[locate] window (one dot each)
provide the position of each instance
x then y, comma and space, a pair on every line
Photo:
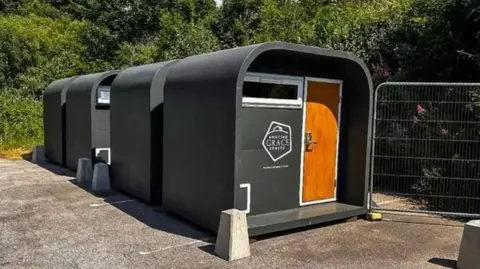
267, 90
103, 95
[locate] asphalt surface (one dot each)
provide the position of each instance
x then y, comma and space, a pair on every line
46, 221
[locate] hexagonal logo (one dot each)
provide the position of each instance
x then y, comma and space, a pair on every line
278, 140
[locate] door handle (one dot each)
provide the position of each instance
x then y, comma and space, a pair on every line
309, 139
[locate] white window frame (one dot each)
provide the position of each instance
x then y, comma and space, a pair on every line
97, 151
99, 97
274, 102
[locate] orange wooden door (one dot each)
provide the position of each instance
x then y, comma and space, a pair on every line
321, 128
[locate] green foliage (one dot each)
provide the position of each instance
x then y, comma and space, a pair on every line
37, 7
181, 38
130, 54
20, 121
45, 40
433, 42
285, 21
7, 6
35, 50
238, 22
128, 20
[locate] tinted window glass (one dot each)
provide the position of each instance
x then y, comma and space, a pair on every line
269, 90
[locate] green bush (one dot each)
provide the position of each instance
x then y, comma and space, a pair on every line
21, 121
37, 50
43, 40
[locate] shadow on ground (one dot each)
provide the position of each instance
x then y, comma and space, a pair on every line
209, 249
157, 218
443, 262
151, 215
56, 169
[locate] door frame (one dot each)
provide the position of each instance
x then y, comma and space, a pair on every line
302, 155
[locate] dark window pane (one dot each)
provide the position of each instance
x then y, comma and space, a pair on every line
269, 90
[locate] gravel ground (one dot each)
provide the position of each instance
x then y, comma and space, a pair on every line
46, 221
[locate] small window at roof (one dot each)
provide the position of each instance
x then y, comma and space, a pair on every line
103, 95
269, 90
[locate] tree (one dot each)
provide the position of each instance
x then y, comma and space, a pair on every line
433, 42
128, 20
180, 38
238, 21
284, 21
35, 50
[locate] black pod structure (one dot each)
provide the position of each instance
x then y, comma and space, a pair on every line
54, 120
136, 122
88, 118
250, 128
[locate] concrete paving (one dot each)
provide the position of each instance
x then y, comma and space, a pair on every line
46, 221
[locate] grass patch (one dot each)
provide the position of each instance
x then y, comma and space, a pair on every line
21, 124
15, 153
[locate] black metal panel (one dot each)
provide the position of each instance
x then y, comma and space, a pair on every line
209, 139
81, 117
354, 142
274, 184
54, 120
199, 135
136, 114
101, 128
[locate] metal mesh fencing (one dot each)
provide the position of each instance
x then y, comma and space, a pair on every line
426, 148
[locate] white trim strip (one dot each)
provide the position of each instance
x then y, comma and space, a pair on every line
248, 187
274, 102
97, 151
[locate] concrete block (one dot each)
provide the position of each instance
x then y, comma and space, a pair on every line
84, 171
101, 178
38, 154
232, 237
468, 257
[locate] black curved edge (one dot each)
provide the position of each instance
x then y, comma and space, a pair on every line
54, 120
136, 122
87, 127
203, 94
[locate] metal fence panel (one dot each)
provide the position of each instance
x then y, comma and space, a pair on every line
426, 148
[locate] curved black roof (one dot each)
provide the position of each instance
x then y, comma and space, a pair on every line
234, 63
136, 76
59, 86
89, 83
144, 77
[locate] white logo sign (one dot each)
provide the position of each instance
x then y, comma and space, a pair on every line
278, 140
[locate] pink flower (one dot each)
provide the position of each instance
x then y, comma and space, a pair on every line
420, 109
444, 132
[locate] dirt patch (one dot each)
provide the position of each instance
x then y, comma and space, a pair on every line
393, 202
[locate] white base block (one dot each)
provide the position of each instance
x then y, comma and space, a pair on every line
38, 154
469, 257
101, 178
232, 237
84, 171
